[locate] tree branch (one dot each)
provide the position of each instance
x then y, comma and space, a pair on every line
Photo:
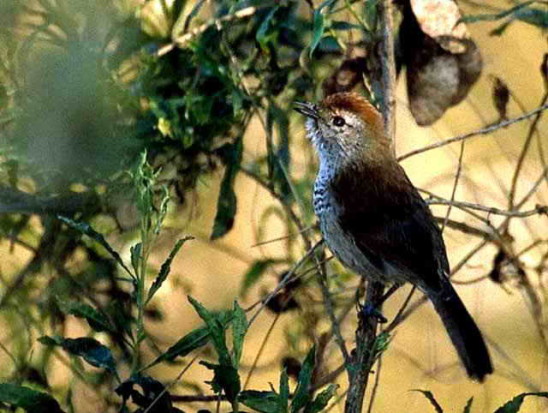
14, 201
366, 332
484, 131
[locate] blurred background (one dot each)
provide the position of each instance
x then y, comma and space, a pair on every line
206, 89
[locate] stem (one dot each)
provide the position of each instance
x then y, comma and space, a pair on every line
364, 356
366, 332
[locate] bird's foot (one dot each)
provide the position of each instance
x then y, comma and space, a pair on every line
370, 310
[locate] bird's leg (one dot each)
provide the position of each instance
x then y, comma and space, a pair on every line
389, 293
372, 309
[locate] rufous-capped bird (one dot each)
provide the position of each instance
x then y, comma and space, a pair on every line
375, 222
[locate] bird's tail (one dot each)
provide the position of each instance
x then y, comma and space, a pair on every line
463, 332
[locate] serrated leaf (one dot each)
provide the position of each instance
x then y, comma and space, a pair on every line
28, 399
302, 392
135, 252
468, 407
227, 202
225, 378
514, 405
261, 401
283, 405
321, 401
190, 342
254, 274
92, 351
430, 396
96, 320
165, 268
86, 229
216, 330
381, 343
239, 330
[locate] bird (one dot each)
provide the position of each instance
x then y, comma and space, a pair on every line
374, 220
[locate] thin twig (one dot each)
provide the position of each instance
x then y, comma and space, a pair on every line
166, 388
261, 349
523, 153
484, 131
185, 39
455, 185
538, 210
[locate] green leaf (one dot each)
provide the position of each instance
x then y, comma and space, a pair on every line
321, 401
227, 203
431, 398
96, 320
381, 343
284, 393
468, 407
262, 36
225, 378
135, 252
318, 27
88, 348
302, 392
190, 342
165, 269
254, 274
261, 401
514, 405
239, 330
86, 229
523, 12
279, 156
495, 16
216, 330
27, 399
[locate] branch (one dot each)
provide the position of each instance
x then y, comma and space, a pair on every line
364, 356
523, 153
185, 39
388, 70
484, 131
366, 333
538, 210
14, 201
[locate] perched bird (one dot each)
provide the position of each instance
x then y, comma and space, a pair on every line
374, 220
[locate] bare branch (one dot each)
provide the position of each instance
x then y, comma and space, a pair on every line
14, 201
484, 131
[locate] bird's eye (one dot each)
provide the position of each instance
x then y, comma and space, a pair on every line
338, 121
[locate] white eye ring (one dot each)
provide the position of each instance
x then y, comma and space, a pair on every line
339, 121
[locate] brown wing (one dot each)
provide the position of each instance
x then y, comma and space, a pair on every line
391, 224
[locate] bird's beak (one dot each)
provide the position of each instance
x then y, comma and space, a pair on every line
307, 109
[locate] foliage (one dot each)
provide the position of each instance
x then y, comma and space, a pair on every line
105, 105
512, 406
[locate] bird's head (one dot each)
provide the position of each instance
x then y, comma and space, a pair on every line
345, 126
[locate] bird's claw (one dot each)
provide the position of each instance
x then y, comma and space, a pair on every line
369, 310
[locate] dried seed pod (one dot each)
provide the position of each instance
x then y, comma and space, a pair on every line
442, 61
